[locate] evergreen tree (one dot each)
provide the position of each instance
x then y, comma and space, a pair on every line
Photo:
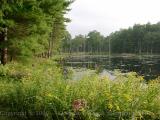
29, 24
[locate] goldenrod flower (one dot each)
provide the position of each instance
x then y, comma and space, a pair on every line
110, 106
49, 95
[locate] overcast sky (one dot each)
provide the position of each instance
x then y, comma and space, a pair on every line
107, 16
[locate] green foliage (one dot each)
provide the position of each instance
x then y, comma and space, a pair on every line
41, 89
78, 43
137, 39
93, 42
66, 42
30, 23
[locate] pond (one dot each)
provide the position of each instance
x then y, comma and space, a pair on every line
147, 66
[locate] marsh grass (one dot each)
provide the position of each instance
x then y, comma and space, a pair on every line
39, 91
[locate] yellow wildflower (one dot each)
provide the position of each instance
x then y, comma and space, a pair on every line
49, 95
117, 108
127, 97
110, 106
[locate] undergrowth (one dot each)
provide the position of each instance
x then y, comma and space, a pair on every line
40, 91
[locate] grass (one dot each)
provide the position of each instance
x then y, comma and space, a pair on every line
41, 92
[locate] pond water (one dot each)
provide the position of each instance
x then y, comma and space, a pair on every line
147, 66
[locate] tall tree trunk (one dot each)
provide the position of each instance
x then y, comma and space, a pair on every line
49, 46
52, 43
4, 50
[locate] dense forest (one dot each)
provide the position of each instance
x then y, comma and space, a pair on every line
31, 27
137, 39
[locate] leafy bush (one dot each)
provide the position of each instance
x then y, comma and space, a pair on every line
40, 91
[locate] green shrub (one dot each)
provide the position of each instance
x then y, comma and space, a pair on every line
41, 92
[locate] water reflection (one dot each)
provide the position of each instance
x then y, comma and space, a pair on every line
149, 67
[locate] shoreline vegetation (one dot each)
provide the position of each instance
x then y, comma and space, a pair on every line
105, 54
34, 84
40, 91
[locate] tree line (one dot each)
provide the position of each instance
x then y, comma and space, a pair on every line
31, 27
137, 39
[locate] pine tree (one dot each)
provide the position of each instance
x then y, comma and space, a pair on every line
29, 24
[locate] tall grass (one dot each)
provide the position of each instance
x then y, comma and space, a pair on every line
40, 91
